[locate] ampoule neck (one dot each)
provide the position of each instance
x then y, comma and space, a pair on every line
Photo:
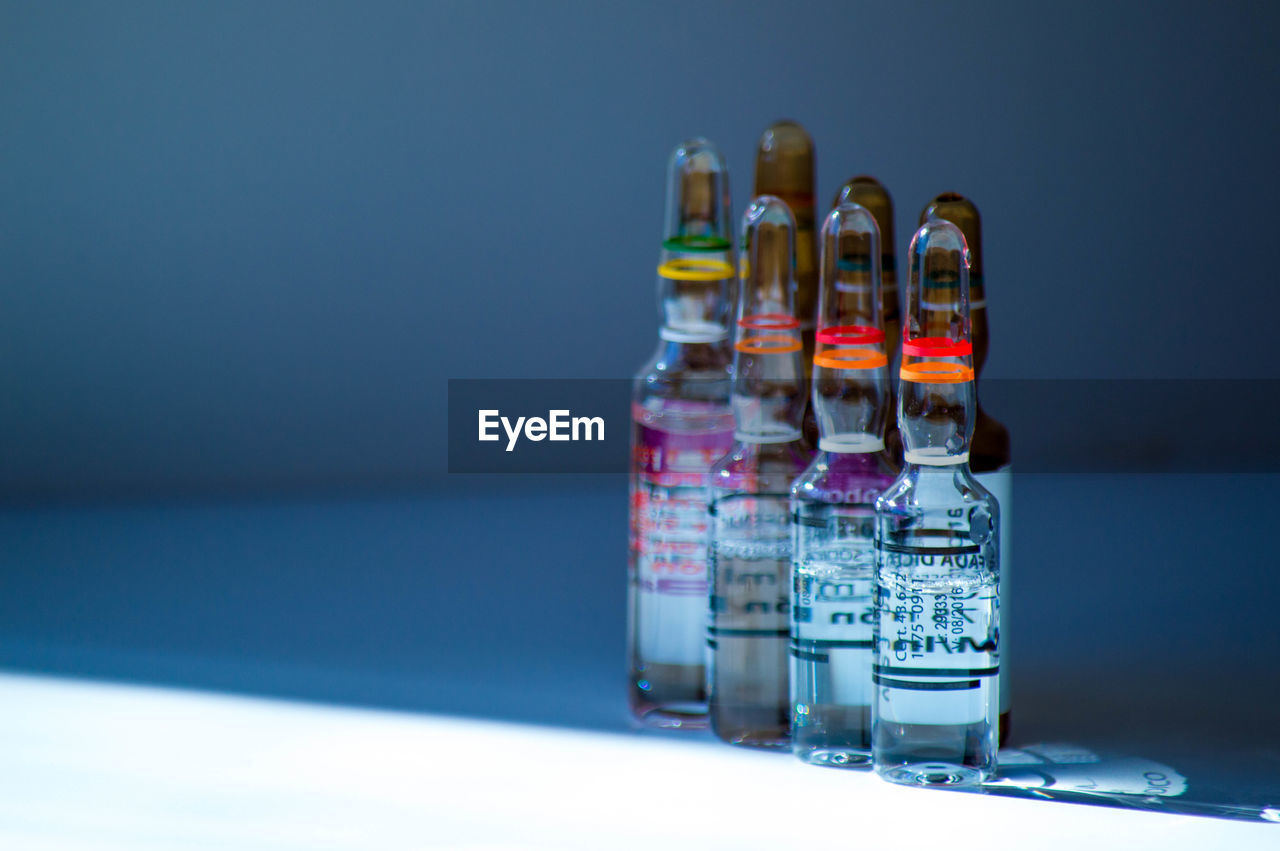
694, 292
692, 355
854, 463
762, 466
936, 421
853, 445
708, 335
935, 475
929, 459
763, 441
844, 457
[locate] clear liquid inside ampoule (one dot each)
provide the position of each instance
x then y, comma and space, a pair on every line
935, 670
831, 664
833, 614
749, 620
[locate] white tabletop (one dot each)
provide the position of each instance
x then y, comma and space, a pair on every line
91, 765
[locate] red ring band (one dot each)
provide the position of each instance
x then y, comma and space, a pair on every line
937, 347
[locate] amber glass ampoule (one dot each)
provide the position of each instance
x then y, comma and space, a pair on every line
989, 457
784, 169
871, 194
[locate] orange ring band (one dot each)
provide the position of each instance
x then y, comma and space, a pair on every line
851, 359
932, 372
751, 345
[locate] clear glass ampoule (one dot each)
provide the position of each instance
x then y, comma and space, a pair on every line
989, 452
833, 502
937, 638
750, 553
872, 194
682, 424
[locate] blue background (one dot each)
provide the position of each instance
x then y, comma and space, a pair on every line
244, 245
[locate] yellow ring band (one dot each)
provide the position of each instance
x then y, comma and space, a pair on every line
691, 269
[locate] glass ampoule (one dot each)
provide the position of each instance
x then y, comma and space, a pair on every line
784, 169
682, 424
871, 193
989, 453
750, 554
833, 502
868, 192
937, 639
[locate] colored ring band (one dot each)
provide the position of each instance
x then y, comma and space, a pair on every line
850, 335
696, 243
784, 345
936, 373
937, 347
695, 270
769, 322
851, 359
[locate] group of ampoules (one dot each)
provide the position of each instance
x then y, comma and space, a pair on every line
844, 602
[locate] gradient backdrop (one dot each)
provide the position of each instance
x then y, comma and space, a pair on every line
243, 246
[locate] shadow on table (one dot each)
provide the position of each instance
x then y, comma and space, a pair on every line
1072, 774
1151, 743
